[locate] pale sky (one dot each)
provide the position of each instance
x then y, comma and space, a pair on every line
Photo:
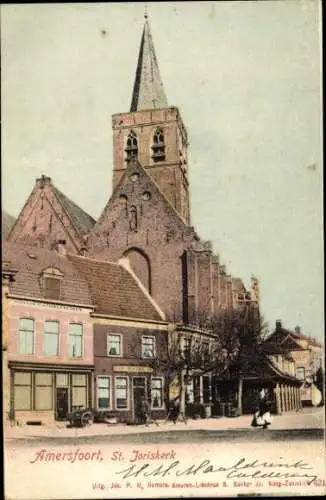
246, 78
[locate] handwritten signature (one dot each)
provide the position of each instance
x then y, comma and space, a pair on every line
255, 469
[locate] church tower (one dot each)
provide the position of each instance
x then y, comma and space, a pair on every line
153, 132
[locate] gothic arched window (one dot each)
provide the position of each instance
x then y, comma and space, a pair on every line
131, 146
158, 146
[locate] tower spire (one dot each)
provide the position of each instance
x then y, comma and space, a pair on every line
148, 91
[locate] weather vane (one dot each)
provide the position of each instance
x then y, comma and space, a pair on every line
145, 11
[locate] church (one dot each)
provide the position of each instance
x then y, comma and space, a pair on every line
146, 223
147, 218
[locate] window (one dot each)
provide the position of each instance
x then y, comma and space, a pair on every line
158, 146
131, 146
75, 340
22, 391
51, 279
157, 392
121, 393
300, 373
206, 389
205, 348
114, 345
51, 338
186, 347
43, 391
103, 393
79, 390
148, 347
26, 336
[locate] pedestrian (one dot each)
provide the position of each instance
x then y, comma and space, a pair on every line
145, 411
262, 416
174, 410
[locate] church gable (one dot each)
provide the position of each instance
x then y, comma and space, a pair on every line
47, 218
137, 214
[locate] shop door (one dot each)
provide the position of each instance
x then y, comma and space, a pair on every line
138, 393
61, 403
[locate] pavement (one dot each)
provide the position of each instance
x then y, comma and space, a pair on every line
305, 419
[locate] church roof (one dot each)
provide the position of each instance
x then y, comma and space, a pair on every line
7, 221
82, 221
113, 289
148, 91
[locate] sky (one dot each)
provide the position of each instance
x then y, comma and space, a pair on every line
246, 77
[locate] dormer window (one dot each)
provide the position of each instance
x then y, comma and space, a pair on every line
51, 281
158, 146
131, 147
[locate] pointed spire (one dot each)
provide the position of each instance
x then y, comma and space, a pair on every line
148, 91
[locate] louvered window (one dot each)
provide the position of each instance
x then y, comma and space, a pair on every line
158, 147
131, 147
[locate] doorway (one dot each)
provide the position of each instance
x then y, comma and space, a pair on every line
138, 393
62, 404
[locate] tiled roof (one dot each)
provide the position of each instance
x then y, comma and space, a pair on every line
281, 334
113, 290
7, 221
81, 220
30, 262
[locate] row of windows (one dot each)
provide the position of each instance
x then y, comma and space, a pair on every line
35, 390
51, 340
115, 348
26, 338
158, 146
122, 392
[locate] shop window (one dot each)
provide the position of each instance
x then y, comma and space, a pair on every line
121, 393
75, 340
300, 373
114, 345
51, 338
22, 390
26, 336
157, 393
43, 391
79, 391
62, 380
103, 393
148, 347
158, 146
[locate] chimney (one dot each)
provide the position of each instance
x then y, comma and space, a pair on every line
278, 324
297, 329
61, 248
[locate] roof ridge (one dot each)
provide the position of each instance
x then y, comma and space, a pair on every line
93, 259
64, 200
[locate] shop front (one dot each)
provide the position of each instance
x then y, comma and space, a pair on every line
43, 393
119, 395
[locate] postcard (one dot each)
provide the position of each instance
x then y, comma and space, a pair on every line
162, 250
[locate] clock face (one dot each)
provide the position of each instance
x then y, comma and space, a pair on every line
134, 177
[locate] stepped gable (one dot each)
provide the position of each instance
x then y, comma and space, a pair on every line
31, 262
113, 289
